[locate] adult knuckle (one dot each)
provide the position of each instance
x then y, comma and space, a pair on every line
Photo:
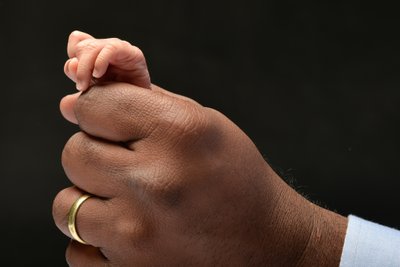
188, 121
70, 256
82, 148
83, 151
170, 188
136, 230
58, 208
72, 149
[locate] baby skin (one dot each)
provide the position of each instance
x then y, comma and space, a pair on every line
94, 60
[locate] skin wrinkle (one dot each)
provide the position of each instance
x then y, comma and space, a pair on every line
90, 155
83, 103
147, 109
155, 168
165, 121
118, 112
307, 245
189, 131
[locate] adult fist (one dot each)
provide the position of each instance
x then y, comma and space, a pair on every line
178, 184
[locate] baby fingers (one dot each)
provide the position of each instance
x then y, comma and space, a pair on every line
126, 61
75, 38
113, 52
70, 68
87, 52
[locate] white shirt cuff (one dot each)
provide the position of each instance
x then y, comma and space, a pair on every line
369, 244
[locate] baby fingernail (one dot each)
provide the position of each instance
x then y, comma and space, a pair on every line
78, 87
95, 74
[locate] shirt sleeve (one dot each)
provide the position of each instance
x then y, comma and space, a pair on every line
369, 244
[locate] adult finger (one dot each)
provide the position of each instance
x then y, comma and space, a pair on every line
93, 219
97, 166
68, 102
122, 112
74, 38
78, 254
67, 105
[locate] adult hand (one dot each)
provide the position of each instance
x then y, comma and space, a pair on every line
178, 184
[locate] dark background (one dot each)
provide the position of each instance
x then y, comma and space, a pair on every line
315, 85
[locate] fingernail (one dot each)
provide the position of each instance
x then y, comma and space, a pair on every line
78, 87
95, 73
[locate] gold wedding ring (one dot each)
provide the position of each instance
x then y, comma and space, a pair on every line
72, 218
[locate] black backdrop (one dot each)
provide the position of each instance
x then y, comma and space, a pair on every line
315, 85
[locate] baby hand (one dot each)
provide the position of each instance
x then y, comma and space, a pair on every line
105, 60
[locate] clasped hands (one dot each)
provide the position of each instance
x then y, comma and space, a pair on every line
178, 184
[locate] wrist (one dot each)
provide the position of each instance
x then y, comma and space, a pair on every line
326, 241
305, 234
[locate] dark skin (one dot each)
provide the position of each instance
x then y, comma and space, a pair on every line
179, 184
